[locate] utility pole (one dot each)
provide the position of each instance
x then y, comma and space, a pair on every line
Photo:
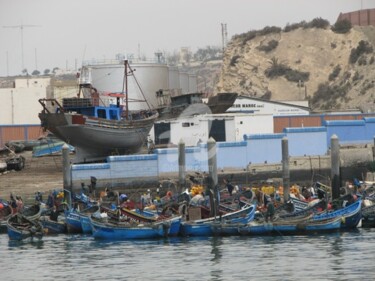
21, 27
7, 64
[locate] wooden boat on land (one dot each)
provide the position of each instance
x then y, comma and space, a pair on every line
95, 127
104, 229
202, 227
21, 227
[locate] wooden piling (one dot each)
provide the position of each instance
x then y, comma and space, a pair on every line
181, 165
67, 179
212, 176
285, 164
335, 167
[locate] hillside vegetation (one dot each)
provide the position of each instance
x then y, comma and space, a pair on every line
331, 66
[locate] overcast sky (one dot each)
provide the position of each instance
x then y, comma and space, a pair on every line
62, 33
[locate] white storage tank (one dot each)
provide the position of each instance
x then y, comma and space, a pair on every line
193, 85
174, 81
184, 82
109, 78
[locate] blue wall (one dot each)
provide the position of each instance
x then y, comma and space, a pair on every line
348, 132
307, 141
255, 149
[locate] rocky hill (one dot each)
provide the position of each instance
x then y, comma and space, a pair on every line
333, 71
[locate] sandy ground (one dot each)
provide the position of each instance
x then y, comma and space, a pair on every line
40, 174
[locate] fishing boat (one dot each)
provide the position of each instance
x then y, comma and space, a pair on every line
6, 211
105, 229
223, 228
78, 221
32, 212
290, 226
20, 228
202, 227
351, 215
52, 226
95, 127
221, 102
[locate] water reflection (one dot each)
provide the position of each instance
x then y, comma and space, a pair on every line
337, 256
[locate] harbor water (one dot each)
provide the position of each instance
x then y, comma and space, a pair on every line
335, 256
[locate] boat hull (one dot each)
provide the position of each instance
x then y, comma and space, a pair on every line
53, 227
120, 231
97, 139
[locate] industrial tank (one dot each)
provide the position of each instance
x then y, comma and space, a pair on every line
174, 81
184, 82
108, 77
193, 85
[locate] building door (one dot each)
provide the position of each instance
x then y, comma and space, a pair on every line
217, 129
162, 133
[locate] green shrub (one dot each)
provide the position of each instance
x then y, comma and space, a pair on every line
342, 26
234, 60
269, 47
293, 26
363, 47
279, 69
296, 76
335, 73
317, 23
269, 30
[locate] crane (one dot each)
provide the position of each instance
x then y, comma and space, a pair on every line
21, 27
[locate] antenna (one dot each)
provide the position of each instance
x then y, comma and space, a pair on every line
21, 27
224, 35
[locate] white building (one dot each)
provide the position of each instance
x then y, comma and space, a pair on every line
259, 106
19, 105
199, 128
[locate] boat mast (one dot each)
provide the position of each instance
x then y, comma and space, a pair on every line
126, 89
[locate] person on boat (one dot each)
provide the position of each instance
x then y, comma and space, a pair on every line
54, 214
270, 212
19, 203
50, 200
229, 186
150, 145
12, 201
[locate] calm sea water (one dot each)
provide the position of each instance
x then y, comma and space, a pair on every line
337, 256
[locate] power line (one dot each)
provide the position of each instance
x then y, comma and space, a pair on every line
21, 27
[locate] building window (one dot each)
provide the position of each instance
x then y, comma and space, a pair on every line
186, 124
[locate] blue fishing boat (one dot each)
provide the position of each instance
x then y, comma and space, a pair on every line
53, 227
21, 228
303, 225
84, 217
323, 225
351, 215
104, 229
203, 227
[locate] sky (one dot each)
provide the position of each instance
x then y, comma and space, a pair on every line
44, 34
